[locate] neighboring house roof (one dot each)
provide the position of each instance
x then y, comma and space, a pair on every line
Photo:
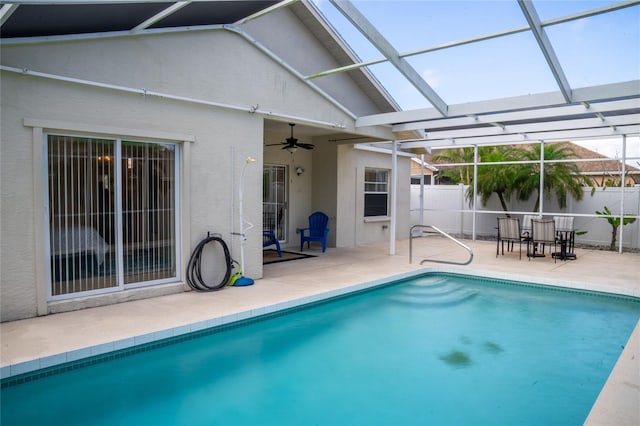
415, 166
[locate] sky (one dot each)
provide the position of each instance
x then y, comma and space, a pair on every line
597, 50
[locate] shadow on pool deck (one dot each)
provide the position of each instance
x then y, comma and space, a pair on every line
31, 342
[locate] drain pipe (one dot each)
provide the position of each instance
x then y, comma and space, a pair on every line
144, 92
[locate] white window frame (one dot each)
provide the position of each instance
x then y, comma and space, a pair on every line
380, 187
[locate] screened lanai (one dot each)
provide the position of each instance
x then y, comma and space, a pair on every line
451, 74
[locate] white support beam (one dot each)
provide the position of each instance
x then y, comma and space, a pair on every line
546, 126
484, 37
591, 94
539, 113
6, 11
377, 39
159, 16
263, 12
547, 49
633, 129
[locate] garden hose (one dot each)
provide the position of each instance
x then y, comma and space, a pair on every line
194, 267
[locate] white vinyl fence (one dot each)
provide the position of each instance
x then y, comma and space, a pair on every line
446, 207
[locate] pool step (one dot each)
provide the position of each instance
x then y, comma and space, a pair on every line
438, 294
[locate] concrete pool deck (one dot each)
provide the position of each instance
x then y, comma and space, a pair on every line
41, 342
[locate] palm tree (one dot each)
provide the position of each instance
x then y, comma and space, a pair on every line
497, 178
562, 178
458, 174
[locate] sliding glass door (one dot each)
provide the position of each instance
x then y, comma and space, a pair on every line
111, 209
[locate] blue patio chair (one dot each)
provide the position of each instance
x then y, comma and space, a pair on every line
317, 230
270, 238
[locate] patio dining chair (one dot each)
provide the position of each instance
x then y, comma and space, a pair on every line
543, 232
509, 232
526, 225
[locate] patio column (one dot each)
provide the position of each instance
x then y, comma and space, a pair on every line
394, 175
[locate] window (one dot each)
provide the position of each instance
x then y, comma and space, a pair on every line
376, 192
111, 209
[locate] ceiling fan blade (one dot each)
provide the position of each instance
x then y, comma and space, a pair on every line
306, 145
273, 144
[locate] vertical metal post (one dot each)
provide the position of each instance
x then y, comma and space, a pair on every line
421, 221
475, 190
394, 174
622, 181
541, 196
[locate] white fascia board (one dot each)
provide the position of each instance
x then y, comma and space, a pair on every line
525, 138
563, 111
548, 126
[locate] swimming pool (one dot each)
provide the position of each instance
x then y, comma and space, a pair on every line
437, 349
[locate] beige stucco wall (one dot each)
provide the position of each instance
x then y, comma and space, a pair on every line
352, 228
299, 186
217, 66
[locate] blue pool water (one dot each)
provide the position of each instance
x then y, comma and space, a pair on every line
444, 349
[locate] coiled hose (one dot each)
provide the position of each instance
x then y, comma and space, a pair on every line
194, 267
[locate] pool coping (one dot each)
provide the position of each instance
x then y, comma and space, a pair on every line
7, 372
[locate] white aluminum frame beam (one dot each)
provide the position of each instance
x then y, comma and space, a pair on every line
604, 92
159, 16
598, 132
377, 39
562, 111
540, 35
546, 126
6, 11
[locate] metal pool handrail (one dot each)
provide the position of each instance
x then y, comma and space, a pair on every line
467, 248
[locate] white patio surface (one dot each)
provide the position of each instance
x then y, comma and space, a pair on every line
44, 341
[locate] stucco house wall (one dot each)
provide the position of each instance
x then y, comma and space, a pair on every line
209, 66
352, 228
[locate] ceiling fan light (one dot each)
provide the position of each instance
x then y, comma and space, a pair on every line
292, 149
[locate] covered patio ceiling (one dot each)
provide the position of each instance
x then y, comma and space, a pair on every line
567, 111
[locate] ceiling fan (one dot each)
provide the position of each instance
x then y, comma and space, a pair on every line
292, 143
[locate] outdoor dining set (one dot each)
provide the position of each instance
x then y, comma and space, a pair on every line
538, 233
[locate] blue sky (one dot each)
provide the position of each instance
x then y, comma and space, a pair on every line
597, 50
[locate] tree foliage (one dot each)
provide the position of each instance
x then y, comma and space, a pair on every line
615, 222
521, 180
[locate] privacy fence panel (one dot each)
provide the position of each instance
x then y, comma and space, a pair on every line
447, 207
